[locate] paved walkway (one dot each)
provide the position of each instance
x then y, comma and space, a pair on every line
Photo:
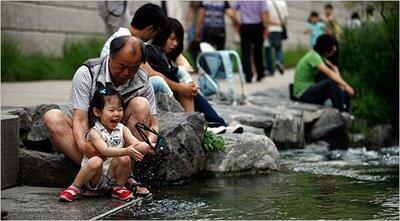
22, 94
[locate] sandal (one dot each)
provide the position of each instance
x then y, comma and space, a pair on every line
134, 186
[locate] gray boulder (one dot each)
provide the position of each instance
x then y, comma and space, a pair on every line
358, 140
44, 169
332, 128
288, 129
166, 103
382, 135
183, 156
318, 147
244, 152
33, 132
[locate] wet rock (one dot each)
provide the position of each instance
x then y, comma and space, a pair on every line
382, 135
358, 140
33, 132
331, 127
244, 152
288, 129
166, 103
184, 155
318, 147
44, 169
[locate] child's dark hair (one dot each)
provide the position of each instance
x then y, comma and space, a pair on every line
170, 25
313, 14
98, 101
324, 44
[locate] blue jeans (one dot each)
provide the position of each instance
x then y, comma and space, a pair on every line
201, 105
160, 85
276, 44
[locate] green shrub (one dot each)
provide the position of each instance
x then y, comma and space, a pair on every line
293, 56
369, 61
212, 142
19, 66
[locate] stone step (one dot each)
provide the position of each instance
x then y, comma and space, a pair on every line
9, 150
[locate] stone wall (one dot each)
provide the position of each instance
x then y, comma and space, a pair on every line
45, 26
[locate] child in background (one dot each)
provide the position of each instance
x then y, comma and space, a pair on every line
315, 27
109, 137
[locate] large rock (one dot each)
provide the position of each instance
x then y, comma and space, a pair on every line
166, 103
288, 129
332, 128
9, 150
184, 155
33, 132
382, 135
243, 153
45, 169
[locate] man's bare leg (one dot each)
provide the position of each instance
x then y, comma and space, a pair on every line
60, 130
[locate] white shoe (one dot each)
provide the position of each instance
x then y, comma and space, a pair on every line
217, 130
235, 129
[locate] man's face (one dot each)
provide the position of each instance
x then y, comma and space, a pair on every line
125, 64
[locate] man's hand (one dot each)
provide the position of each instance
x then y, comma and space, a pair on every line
135, 154
89, 150
349, 90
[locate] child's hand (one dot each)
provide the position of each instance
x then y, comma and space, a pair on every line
135, 154
143, 147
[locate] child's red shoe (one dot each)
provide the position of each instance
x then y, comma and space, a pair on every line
122, 193
69, 194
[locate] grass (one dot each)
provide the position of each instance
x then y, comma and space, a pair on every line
19, 66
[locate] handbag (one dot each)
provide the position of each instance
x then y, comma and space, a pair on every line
284, 35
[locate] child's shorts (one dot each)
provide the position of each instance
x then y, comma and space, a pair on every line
106, 181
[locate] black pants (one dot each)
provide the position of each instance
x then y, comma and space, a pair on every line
327, 89
201, 105
252, 35
214, 36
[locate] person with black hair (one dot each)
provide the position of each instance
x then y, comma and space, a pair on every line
145, 24
116, 144
354, 21
331, 24
333, 87
314, 27
119, 70
163, 55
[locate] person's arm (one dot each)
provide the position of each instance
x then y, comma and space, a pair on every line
130, 140
181, 61
183, 89
80, 124
95, 137
336, 78
199, 23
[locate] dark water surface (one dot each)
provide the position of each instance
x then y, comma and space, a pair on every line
313, 184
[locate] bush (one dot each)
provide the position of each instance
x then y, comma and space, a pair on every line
369, 61
212, 142
19, 66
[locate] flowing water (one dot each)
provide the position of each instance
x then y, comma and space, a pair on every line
313, 184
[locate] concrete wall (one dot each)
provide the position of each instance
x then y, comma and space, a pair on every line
45, 26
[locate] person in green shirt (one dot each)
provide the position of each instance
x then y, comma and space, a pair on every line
332, 86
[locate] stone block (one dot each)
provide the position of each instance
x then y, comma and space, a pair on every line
9, 150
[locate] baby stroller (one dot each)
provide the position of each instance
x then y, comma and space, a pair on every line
216, 74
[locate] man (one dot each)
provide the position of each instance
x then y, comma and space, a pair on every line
331, 24
145, 24
119, 70
278, 15
253, 15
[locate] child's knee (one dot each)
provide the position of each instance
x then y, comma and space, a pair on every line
124, 161
95, 163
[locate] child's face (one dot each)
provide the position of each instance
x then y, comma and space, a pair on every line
111, 114
172, 43
314, 19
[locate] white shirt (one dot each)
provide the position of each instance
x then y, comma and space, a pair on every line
273, 15
106, 48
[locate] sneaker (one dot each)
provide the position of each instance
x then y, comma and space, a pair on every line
69, 194
217, 130
280, 66
122, 193
235, 129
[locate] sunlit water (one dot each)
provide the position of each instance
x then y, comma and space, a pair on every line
313, 184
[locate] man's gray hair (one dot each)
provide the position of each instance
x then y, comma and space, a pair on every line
118, 43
